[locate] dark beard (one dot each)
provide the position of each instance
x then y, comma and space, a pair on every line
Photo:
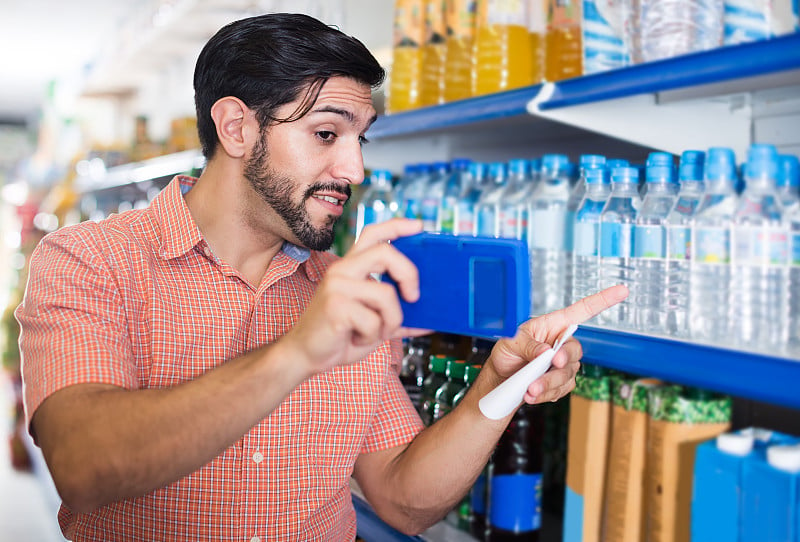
276, 191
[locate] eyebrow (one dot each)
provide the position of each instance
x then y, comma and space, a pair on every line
346, 114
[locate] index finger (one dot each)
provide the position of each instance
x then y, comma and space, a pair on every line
592, 305
386, 231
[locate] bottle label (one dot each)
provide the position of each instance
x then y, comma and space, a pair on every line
461, 19
678, 243
447, 215
516, 502
796, 248
486, 226
435, 27
585, 239
760, 246
477, 495
513, 222
465, 221
616, 240
413, 209
428, 212
648, 241
712, 245
505, 12
547, 228
409, 24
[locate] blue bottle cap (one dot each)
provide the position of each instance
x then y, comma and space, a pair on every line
720, 164
588, 161
625, 175
477, 170
460, 164
691, 166
552, 164
762, 162
615, 163
518, 166
381, 175
596, 176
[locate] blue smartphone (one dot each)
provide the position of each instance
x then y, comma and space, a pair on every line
475, 286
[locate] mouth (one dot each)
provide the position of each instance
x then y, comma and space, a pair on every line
332, 203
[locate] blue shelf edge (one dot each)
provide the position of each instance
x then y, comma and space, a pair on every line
492, 106
738, 373
712, 66
372, 528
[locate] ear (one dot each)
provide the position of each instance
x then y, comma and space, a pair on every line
235, 123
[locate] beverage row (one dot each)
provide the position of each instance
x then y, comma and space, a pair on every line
707, 253
447, 50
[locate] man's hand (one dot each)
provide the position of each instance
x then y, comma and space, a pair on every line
538, 334
352, 313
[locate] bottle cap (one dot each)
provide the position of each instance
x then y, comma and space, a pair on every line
784, 457
518, 166
720, 164
592, 161
691, 166
762, 162
625, 175
738, 444
788, 170
660, 168
595, 175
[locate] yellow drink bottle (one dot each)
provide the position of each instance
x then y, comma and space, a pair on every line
537, 26
404, 79
503, 56
563, 44
460, 20
433, 54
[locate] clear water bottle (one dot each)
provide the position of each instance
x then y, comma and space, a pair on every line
487, 211
788, 182
576, 195
410, 173
586, 230
413, 368
414, 191
710, 270
657, 29
760, 256
793, 223
514, 200
378, 203
475, 182
651, 282
434, 191
679, 236
454, 189
616, 241
547, 229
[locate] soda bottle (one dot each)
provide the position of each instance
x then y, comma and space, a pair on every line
616, 241
710, 272
503, 57
760, 257
433, 54
651, 282
679, 235
455, 369
460, 19
586, 239
413, 368
563, 49
546, 234
436, 377
377, 204
515, 479
409, 35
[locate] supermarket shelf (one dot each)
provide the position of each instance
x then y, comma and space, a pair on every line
739, 373
146, 170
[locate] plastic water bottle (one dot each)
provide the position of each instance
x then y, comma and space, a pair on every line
434, 191
788, 182
454, 189
514, 200
487, 211
410, 173
616, 241
679, 236
576, 196
586, 230
760, 257
793, 223
475, 182
659, 29
377, 204
710, 270
651, 282
413, 192
546, 234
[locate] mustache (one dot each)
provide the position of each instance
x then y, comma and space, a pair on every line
329, 187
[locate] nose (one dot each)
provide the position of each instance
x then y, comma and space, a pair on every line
349, 164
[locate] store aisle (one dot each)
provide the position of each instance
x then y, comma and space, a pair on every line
27, 507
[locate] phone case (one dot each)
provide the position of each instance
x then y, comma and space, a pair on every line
474, 286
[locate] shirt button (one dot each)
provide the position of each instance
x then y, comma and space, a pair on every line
255, 539
207, 252
258, 457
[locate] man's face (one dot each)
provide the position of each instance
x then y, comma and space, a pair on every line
303, 169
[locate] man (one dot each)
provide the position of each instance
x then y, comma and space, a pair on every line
201, 370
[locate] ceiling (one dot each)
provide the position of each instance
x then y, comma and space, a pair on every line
104, 46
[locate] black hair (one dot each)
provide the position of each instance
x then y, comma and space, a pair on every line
268, 61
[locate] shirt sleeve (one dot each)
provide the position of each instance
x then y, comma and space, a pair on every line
72, 321
396, 422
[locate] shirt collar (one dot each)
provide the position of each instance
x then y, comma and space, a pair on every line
180, 234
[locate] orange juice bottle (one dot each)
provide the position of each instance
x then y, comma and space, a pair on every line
563, 44
460, 20
433, 54
537, 26
503, 57
403, 92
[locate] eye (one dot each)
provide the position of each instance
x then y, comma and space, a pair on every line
326, 136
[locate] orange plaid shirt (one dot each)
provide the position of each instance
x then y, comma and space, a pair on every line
140, 301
